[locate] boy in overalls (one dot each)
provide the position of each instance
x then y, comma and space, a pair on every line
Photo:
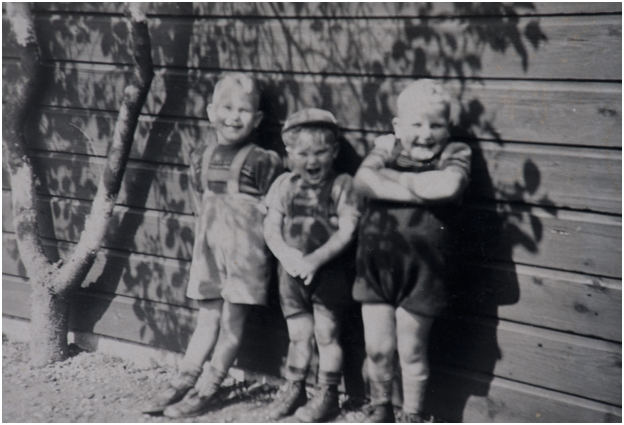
313, 214
230, 269
414, 180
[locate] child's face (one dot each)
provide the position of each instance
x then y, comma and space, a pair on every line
312, 157
423, 129
234, 116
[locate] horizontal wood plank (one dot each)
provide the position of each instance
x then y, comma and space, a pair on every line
582, 179
142, 231
570, 302
369, 9
552, 47
581, 242
576, 365
558, 239
461, 396
159, 325
117, 272
453, 395
582, 114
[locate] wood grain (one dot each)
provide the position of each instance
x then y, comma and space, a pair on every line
581, 179
372, 9
565, 240
559, 239
592, 368
140, 276
569, 302
461, 396
572, 364
558, 47
577, 303
563, 113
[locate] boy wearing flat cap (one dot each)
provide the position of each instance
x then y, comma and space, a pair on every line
312, 217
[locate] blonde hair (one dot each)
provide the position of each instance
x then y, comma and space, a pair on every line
430, 92
240, 80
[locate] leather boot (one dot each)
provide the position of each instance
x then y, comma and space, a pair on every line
291, 397
176, 389
322, 407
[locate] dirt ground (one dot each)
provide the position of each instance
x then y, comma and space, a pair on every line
93, 387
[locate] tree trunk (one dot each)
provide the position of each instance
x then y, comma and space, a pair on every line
53, 284
49, 325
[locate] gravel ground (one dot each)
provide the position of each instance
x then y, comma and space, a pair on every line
93, 387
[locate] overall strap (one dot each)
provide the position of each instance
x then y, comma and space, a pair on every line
205, 170
325, 196
235, 168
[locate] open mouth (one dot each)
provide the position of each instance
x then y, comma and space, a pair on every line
422, 152
232, 127
314, 173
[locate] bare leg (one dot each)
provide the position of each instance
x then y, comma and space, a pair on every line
327, 334
413, 335
233, 317
380, 334
301, 334
206, 332
381, 343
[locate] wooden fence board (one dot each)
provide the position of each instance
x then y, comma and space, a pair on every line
570, 47
576, 365
159, 325
581, 242
563, 301
145, 185
142, 231
583, 179
565, 113
369, 9
117, 272
558, 239
461, 396
455, 395
530, 355
571, 302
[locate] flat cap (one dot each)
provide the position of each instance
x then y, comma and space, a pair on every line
310, 116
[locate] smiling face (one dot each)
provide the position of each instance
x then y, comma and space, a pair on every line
312, 156
423, 129
234, 115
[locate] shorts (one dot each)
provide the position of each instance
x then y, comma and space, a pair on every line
230, 258
331, 288
403, 258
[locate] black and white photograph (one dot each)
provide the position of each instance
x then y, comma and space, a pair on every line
255, 212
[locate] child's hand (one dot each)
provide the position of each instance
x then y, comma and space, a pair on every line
309, 267
291, 260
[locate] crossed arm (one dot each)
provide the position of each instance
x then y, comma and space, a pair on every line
428, 187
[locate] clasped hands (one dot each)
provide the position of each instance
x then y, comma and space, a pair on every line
298, 265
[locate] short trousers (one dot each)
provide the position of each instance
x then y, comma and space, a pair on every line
230, 258
403, 258
331, 287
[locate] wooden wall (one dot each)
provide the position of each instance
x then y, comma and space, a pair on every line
534, 332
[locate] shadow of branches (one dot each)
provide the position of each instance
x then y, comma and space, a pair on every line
350, 58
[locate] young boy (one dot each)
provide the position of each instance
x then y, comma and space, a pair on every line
230, 268
312, 217
414, 180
